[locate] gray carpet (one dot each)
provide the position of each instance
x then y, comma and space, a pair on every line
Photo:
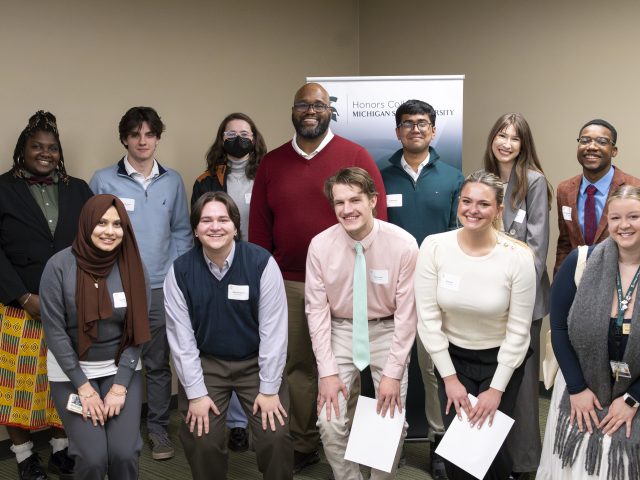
242, 466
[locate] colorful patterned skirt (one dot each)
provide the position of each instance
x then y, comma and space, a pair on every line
25, 401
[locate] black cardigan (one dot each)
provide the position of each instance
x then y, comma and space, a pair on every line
26, 243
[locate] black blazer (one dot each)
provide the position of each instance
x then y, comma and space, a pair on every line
26, 243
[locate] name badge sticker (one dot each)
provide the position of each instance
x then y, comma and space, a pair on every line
247, 198
380, 277
394, 200
129, 204
119, 300
566, 212
520, 216
450, 282
238, 292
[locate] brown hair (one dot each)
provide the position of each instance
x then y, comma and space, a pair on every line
352, 176
526, 160
216, 155
223, 198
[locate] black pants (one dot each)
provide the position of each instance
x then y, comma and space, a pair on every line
475, 369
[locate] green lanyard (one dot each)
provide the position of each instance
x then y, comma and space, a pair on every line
623, 302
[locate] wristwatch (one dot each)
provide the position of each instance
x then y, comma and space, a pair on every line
629, 400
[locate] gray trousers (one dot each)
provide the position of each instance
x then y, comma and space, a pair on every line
523, 442
113, 448
155, 359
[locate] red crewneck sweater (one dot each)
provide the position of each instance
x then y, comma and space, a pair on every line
288, 206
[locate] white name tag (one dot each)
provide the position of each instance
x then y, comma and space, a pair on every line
247, 198
394, 200
381, 277
129, 204
566, 212
520, 216
451, 282
119, 300
238, 292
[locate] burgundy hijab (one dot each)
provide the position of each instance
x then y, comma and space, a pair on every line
93, 267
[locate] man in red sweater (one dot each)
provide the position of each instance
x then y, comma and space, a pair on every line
288, 208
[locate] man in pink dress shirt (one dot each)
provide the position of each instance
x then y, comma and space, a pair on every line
390, 254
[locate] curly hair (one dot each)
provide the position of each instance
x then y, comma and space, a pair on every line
40, 121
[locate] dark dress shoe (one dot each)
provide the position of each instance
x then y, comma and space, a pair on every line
61, 464
438, 470
238, 441
30, 469
302, 460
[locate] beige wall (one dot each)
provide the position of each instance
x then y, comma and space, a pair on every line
194, 61
558, 63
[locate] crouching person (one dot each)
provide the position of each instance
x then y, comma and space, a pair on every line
227, 329
360, 308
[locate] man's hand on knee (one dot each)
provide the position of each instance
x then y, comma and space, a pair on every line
270, 410
328, 391
198, 414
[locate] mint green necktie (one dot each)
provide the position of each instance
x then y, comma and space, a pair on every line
360, 317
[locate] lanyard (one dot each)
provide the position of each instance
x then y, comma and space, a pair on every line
623, 302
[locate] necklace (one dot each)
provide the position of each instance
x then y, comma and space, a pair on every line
95, 280
623, 301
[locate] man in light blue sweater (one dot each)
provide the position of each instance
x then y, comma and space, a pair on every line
156, 202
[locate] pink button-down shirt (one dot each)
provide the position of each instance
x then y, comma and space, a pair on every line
390, 254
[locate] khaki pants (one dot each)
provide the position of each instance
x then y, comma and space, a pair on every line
302, 374
335, 433
431, 398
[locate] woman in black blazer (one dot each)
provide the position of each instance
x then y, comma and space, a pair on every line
39, 209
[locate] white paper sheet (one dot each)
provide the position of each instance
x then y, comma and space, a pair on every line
374, 440
471, 449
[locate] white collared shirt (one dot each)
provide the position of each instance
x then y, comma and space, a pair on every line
410, 171
215, 270
139, 177
308, 156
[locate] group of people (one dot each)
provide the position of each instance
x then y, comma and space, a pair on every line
299, 268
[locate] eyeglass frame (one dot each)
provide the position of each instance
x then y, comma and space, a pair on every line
231, 134
319, 107
596, 140
405, 125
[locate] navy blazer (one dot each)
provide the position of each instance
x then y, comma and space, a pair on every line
26, 243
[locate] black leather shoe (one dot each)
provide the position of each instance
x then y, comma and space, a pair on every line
302, 460
61, 464
30, 469
438, 470
518, 476
238, 441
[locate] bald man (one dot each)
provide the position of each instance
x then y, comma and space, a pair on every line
288, 208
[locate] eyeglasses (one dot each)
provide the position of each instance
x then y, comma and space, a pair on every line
422, 125
304, 106
243, 134
602, 141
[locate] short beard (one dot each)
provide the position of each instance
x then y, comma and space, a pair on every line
308, 132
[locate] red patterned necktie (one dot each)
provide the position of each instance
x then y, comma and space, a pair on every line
590, 221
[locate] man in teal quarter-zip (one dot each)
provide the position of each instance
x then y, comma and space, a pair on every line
422, 198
